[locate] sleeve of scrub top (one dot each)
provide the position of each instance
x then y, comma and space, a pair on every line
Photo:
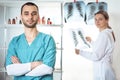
15, 69
50, 53
98, 50
48, 60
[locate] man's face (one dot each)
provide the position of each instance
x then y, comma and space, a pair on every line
30, 16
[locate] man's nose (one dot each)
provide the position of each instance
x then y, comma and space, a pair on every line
30, 15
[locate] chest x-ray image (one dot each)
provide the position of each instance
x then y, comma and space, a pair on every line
102, 6
79, 38
79, 12
92, 8
74, 11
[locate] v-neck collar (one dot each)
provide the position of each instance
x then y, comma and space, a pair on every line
33, 42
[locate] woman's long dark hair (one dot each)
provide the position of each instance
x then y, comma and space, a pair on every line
106, 16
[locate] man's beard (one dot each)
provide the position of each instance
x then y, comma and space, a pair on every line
30, 26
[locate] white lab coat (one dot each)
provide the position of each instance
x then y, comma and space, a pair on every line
101, 54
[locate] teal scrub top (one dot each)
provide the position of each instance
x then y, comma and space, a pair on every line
42, 48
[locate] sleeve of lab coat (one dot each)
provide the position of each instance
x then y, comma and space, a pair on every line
98, 49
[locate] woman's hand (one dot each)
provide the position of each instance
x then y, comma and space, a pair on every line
88, 39
77, 51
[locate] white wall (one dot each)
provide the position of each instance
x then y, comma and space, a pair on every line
114, 12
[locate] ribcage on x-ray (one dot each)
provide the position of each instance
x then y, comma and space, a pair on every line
102, 6
92, 8
80, 7
74, 38
92, 11
79, 38
75, 10
68, 11
83, 39
71, 9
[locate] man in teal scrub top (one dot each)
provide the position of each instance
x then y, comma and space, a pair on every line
31, 55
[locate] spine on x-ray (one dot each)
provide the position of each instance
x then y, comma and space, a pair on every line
75, 38
82, 37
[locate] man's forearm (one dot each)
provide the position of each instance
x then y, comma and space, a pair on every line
35, 64
29, 69
18, 69
40, 70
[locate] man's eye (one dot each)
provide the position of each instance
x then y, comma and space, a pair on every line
25, 13
34, 13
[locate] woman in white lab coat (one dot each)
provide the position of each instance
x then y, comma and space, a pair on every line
102, 49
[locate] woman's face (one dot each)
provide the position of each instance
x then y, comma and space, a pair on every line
100, 21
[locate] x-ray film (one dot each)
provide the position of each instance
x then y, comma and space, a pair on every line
79, 38
92, 8
74, 11
79, 12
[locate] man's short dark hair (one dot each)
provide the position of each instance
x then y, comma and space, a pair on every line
29, 4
